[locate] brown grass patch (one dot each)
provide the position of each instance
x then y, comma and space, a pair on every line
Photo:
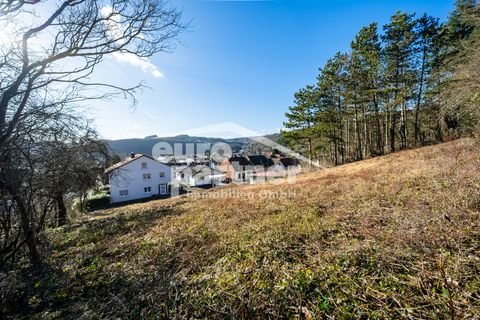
391, 237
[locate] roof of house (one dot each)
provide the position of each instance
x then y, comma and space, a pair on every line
260, 161
290, 162
126, 161
240, 160
190, 170
199, 171
239, 163
257, 160
205, 172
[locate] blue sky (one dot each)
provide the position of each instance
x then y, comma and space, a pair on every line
240, 62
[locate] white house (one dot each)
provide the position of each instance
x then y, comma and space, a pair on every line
137, 177
199, 175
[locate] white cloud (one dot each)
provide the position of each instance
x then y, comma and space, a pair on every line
142, 63
106, 10
115, 30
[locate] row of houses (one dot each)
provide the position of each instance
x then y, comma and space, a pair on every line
141, 176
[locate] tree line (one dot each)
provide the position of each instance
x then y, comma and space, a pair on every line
412, 83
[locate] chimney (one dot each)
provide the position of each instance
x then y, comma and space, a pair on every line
132, 155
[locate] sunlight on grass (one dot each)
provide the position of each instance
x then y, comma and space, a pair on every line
358, 241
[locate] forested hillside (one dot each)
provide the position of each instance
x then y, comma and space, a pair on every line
125, 146
410, 83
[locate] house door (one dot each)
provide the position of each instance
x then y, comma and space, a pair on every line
163, 189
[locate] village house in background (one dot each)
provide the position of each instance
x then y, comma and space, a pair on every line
237, 168
138, 177
292, 164
258, 168
141, 176
199, 176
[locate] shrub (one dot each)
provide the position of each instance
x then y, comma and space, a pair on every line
105, 189
96, 202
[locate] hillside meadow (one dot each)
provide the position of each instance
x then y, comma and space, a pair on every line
387, 238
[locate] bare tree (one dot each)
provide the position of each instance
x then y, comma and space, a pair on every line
460, 95
73, 165
9, 6
45, 71
75, 38
55, 153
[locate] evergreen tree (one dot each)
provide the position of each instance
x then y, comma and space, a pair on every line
301, 119
334, 118
418, 73
399, 40
426, 30
365, 67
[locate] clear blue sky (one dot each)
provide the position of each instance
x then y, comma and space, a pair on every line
241, 62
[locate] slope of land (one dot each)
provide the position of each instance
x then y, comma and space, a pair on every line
391, 237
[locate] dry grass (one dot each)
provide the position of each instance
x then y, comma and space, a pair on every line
391, 237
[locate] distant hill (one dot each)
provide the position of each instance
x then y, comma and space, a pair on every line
126, 146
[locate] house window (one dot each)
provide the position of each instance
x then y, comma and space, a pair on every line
144, 165
147, 176
163, 189
162, 174
182, 175
123, 193
147, 189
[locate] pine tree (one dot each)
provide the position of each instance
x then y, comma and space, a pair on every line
331, 91
427, 29
399, 40
366, 67
301, 119
419, 72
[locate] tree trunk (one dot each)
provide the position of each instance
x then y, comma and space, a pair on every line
387, 126
392, 131
28, 233
403, 126
348, 142
358, 149
62, 209
403, 112
357, 129
438, 133
366, 132
335, 146
393, 123
379, 128
342, 138
419, 99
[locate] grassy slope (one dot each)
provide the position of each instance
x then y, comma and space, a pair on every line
396, 236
